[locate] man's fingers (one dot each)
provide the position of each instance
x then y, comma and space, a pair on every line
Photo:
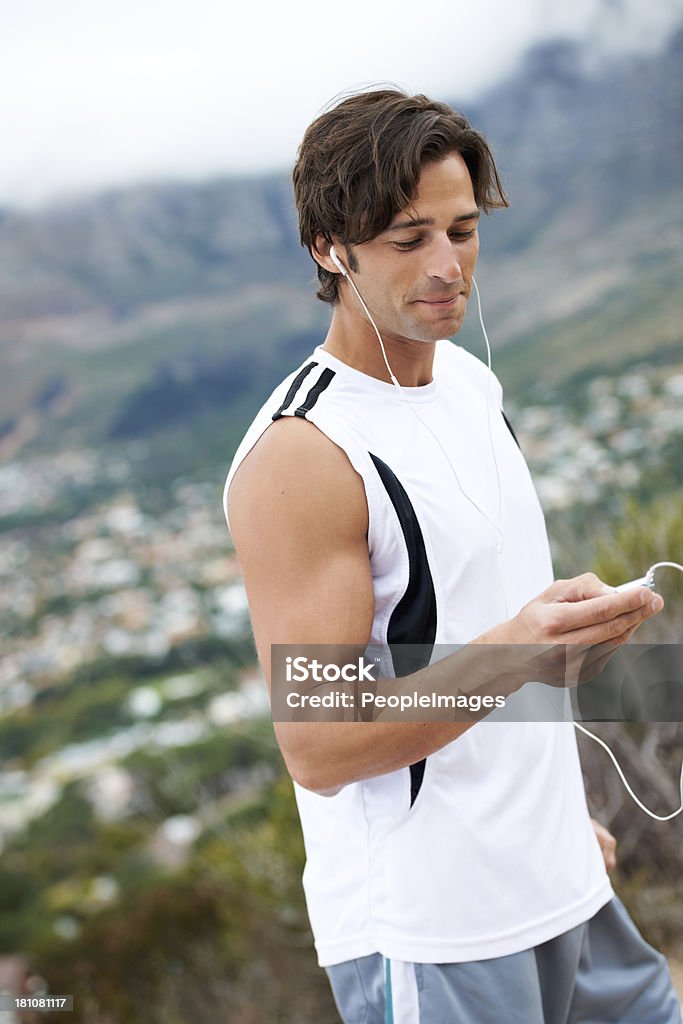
581, 588
584, 611
615, 630
617, 612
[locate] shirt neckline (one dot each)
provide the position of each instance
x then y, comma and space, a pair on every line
422, 393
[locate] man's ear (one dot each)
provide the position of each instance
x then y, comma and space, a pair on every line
321, 254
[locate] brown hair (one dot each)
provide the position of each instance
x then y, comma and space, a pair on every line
359, 165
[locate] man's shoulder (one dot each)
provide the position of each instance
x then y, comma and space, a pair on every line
307, 391
293, 389
293, 441
295, 468
291, 454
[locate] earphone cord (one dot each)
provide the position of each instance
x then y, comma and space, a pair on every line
657, 817
660, 565
488, 408
650, 573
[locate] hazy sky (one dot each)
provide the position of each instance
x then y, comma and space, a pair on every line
96, 92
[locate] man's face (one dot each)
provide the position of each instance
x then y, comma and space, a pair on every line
416, 276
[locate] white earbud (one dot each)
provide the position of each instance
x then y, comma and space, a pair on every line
337, 262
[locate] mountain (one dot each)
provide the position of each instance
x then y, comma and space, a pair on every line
135, 312
585, 265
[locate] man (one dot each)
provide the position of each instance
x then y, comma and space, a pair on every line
453, 874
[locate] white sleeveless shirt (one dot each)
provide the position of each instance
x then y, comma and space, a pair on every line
486, 847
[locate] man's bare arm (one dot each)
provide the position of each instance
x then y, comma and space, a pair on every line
299, 520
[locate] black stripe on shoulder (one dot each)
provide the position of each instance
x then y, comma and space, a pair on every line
324, 381
509, 426
293, 388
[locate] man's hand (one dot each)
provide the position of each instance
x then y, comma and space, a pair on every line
585, 611
575, 626
608, 844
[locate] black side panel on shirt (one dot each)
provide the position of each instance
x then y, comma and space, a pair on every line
509, 426
293, 388
413, 620
417, 774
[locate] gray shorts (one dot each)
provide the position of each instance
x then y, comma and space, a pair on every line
601, 972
